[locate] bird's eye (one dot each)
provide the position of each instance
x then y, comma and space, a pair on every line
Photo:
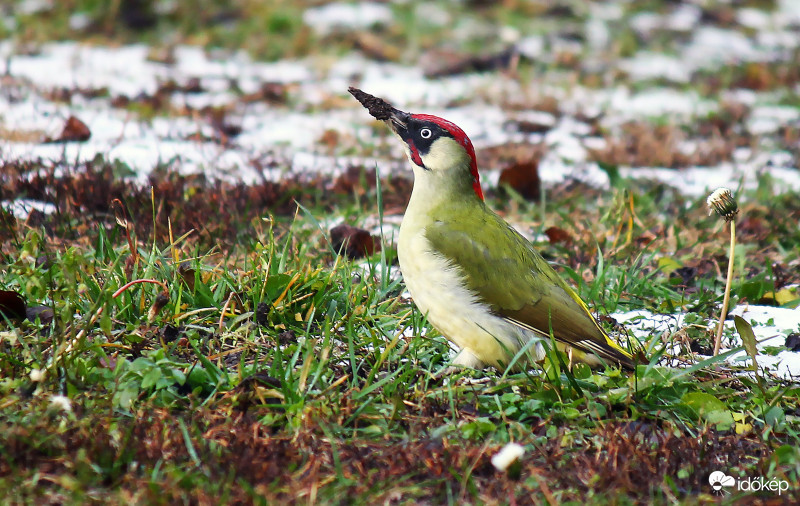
425, 133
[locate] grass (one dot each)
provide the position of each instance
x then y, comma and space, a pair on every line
250, 362
279, 371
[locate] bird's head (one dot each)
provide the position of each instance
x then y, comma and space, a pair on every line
434, 145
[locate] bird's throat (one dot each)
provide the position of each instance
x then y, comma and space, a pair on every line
413, 154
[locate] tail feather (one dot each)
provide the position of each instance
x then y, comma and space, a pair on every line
613, 353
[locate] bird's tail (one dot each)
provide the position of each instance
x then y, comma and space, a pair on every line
612, 352
609, 350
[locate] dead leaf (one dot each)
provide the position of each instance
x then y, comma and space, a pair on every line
158, 304
187, 274
558, 235
645, 238
523, 177
12, 305
354, 179
534, 127
330, 139
793, 342
354, 242
272, 93
262, 314
440, 64
170, 333
74, 130
44, 313
376, 47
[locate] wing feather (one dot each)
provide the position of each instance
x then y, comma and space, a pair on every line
504, 270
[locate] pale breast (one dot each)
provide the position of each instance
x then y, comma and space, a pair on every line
438, 289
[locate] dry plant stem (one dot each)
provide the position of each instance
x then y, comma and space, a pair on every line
726, 299
136, 282
221, 323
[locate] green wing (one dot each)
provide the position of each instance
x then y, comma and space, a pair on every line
518, 284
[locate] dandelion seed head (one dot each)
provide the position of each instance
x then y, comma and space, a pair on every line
721, 201
61, 402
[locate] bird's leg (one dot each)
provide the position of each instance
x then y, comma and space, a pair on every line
466, 358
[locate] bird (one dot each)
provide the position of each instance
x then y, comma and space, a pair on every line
479, 282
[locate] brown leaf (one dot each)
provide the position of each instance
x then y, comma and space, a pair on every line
523, 177
262, 314
793, 341
12, 305
354, 179
782, 275
354, 242
44, 313
272, 93
376, 47
440, 64
35, 219
187, 274
162, 299
646, 238
74, 130
170, 333
558, 235
109, 362
533, 127
287, 337
330, 139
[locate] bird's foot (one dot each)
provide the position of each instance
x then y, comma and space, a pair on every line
465, 359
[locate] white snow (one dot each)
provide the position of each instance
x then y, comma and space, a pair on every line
649, 65
657, 102
712, 46
21, 208
753, 18
643, 324
684, 18
532, 47
771, 325
768, 119
293, 134
339, 15
29, 7
700, 181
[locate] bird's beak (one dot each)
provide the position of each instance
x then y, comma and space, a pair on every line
383, 110
398, 121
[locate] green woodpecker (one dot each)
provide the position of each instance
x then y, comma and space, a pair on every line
480, 283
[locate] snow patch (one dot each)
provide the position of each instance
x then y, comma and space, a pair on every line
337, 16
770, 325
22, 208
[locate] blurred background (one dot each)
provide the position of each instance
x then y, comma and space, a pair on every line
694, 94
